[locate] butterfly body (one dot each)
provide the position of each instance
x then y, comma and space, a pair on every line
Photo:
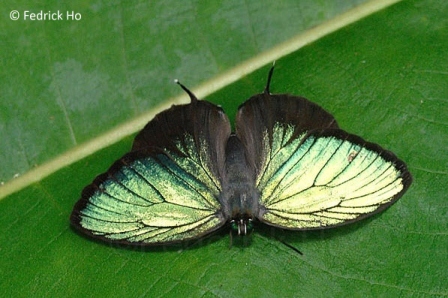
287, 164
239, 197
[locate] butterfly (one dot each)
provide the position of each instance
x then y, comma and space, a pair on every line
287, 165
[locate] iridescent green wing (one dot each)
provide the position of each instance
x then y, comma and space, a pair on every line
310, 174
166, 189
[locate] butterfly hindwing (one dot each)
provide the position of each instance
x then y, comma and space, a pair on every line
166, 189
311, 174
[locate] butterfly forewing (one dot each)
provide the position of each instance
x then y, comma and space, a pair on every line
309, 173
166, 189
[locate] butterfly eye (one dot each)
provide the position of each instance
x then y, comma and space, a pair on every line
234, 226
249, 225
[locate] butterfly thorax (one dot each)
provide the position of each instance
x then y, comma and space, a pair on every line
239, 197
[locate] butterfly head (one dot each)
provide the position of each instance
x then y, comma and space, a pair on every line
241, 226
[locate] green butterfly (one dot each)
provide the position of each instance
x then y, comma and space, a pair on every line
287, 165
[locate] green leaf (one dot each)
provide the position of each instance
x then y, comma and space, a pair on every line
67, 84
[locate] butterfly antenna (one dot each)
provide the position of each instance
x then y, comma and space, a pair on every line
192, 96
291, 247
268, 84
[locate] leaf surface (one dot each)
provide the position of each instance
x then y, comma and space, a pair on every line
383, 78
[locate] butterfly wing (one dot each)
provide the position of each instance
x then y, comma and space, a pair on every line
166, 189
310, 174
